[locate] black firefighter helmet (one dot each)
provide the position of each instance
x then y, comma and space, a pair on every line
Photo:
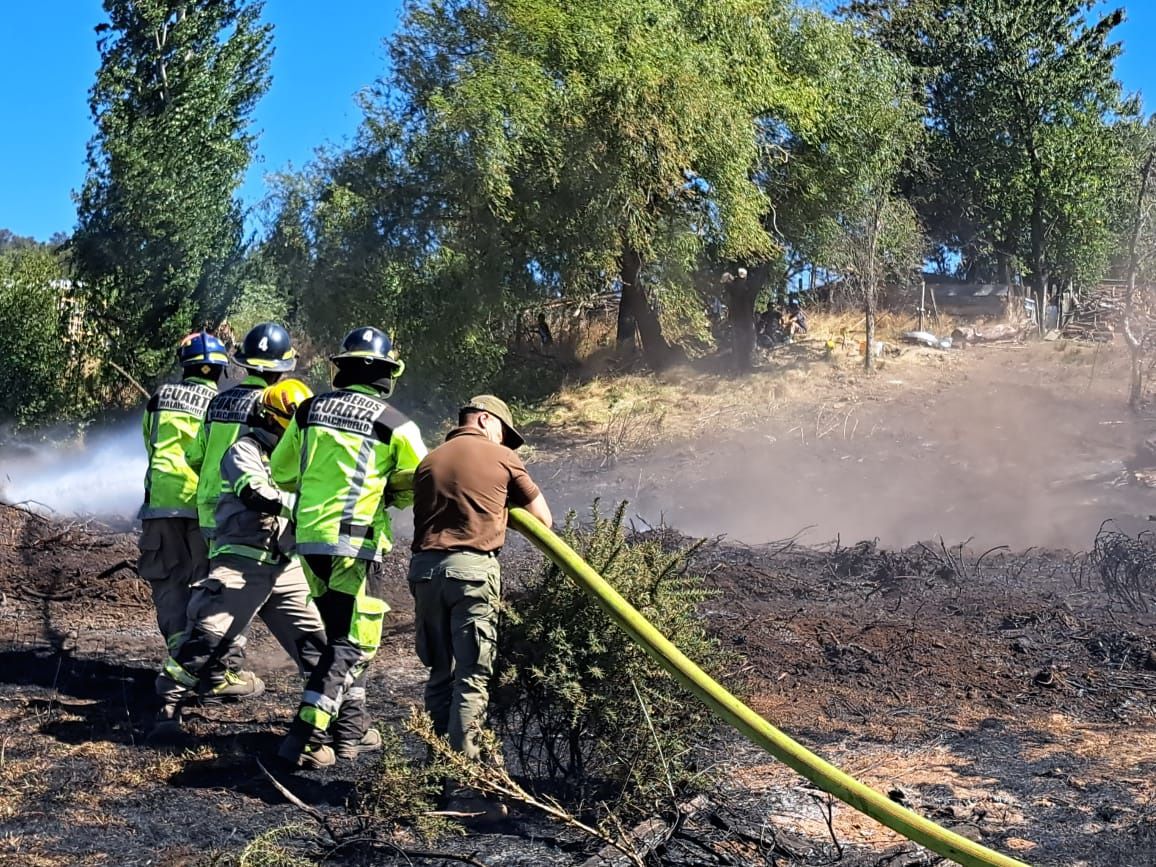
368, 344
267, 347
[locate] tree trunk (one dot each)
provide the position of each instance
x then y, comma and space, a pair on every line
1136, 341
636, 309
870, 284
741, 297
742, 318
1039, 270
629, 272
1136, 385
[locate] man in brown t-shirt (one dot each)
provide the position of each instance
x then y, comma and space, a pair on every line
462, 490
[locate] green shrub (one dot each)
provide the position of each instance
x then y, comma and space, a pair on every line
400, 793
584, 711
42, 337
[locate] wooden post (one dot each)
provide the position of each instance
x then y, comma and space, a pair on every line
922, 301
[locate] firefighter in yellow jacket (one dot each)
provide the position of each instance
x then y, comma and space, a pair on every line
254, 572
172, 551
338, 455
267, 355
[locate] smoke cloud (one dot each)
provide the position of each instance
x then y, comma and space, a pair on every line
100, 475
1017, 449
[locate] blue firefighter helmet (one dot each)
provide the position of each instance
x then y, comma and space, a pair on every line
200, 348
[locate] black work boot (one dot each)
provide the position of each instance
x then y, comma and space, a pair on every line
166, 723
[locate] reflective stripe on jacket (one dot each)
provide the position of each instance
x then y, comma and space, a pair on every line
172, 421
252, 517
338, 455
229, 416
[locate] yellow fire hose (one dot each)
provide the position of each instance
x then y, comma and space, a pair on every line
729, 709
725, 706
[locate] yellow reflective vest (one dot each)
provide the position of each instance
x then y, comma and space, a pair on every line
172, 422
338, 455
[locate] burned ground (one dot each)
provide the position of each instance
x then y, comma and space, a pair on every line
1008, 697
1005, 694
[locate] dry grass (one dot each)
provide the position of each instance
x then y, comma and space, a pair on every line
614, 416
634, 412
100, 776
15, 846
88, 782
889, 326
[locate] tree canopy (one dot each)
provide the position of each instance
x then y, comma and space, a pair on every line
1025, 164
520, 153
159, 233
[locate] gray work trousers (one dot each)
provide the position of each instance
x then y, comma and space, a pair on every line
173, 555
222, 607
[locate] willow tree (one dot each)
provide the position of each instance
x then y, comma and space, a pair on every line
587, 140
160, 227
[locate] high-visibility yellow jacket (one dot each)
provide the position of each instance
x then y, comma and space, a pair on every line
172, 422
338, 455
229, 417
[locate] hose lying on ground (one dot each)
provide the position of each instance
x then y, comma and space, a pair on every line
729, 709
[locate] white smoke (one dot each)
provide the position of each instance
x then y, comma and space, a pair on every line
100, 475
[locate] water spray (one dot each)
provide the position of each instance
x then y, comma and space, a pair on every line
101, 475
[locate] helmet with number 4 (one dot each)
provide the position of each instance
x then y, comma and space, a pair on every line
368, 344
267, 347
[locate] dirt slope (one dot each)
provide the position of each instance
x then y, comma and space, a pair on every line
1020, 445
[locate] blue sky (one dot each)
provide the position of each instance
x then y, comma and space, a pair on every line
323, 55
323, 58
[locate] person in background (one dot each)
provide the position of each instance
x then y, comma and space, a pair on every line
462, 491
769, 328
339, 453
253, 571
794, 320
172, 552
544, 335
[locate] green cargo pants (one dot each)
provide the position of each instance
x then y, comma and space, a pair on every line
345, 591
455, 596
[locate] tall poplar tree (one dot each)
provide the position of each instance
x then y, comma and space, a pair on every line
159, 225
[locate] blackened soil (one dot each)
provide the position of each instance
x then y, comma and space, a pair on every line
1007, 696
